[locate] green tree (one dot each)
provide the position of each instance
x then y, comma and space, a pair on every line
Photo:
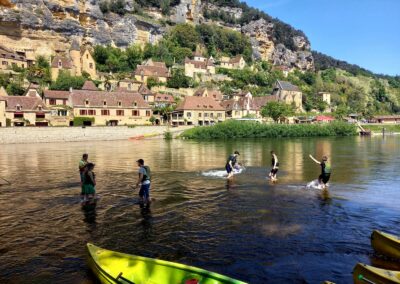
152, 81
179, 80
341, 112
15, 89
277, 111
134, 56
185, 35
65, 81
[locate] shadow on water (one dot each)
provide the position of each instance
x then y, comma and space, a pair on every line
89, 213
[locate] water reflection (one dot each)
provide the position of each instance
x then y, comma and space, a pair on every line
246, 227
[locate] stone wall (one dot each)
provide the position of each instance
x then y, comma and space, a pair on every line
25, 135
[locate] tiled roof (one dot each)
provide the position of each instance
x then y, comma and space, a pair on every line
235, 59
90, 86
164, 98
260, 102
11, 54
26, 103
199, 64
51, 94
32, 93
66, 62
97, 98
150, 62
155, 71
199, 103
287, 86
215, 94
143, 90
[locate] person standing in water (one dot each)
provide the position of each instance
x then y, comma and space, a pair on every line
82, 169
143, 181
275, 166
230, 163
325, 170
89, 183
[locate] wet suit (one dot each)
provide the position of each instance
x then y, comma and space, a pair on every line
325, 172
231, 158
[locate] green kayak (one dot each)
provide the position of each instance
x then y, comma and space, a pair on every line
114, 267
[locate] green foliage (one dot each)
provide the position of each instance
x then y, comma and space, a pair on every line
184, 35
168, 135
116, 60
277, 111
8, 122
80, 120
115, 6
151, 82
179, 80
65, 81
243, 129
15, 89
152, 119
341, 112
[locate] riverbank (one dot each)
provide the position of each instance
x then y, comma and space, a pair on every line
24, 135
242, 129
377, 129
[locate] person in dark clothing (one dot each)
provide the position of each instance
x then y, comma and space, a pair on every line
325, 170
230, 163
143, 181
275, 166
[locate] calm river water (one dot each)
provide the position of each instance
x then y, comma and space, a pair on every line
251, 230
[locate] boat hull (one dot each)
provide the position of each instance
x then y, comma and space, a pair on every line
386, 244
365, 274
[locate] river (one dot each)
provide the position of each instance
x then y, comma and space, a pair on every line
250, 229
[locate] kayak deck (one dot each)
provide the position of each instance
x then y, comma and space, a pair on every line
363, 273
108, 265
386, 244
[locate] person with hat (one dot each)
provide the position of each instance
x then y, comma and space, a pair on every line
143, 181
325, 170
230, 163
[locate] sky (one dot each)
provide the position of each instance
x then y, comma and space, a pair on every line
362, 32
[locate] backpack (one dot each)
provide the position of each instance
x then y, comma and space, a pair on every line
147, 176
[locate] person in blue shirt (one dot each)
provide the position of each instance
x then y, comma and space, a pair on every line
230, 163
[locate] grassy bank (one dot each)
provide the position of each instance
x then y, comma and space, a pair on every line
377, 128
241, 129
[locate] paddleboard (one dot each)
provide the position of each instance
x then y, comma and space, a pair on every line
316, 185
221, 174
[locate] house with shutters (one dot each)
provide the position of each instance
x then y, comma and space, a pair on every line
10, 58
236, 62
197, 67
198, 111
152, 69
245, 106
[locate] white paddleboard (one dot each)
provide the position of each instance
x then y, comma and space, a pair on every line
315, 185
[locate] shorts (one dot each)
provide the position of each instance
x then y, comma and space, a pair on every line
324, 178
228, 169
274, 171
144, 191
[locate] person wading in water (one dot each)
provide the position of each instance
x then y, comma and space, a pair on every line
275, 167
230, 163
82, 169
143, 181
325, 170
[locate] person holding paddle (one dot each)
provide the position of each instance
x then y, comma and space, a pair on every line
325, 170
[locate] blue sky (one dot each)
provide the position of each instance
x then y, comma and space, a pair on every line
362, 32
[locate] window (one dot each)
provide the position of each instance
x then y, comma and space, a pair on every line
135, 104
91, 65
148, 113
105, 112
52, 102
119, 104
40, 115
83, 112
59, 64
87, 56
219, 115
205, 114
64, 102
92, 112
120, 112
62, 112
18, 115
19, 107
135, 113
4, 63
189, 114
40, 108
104, 103
23, 65
212, 114
87, 102
199, 114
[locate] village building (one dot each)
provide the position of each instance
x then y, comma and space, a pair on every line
110, 108
152, 69
10, 58
25, 111
387, 118
245, 106
209, 93
75, 62
129, 85
89, 86
147, 95
197, 68
57, 103
3, 122
163, 100
198, 111
288, 93
325, 97
236, 62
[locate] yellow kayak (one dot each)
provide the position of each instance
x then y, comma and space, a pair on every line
386, 244
365, 274
114, 267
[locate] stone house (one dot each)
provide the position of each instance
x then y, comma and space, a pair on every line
162, 100
288, 93
76, 61
209, 93
154, 69
110, 108
2, 112
147, 95
236, 62
129, 85
326, 97
198, 111
57, 102
198, 67
10, 58
26, 110
245, 106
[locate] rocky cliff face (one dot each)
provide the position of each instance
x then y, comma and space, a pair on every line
50, 25
46, 26
264, 48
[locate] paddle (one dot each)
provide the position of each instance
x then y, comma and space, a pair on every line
123, 278
361, 277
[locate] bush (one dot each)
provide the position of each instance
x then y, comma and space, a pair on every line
168, 135
80, 120
65, 81
241, 129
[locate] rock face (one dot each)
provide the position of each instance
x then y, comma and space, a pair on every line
50, 25
264, 48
